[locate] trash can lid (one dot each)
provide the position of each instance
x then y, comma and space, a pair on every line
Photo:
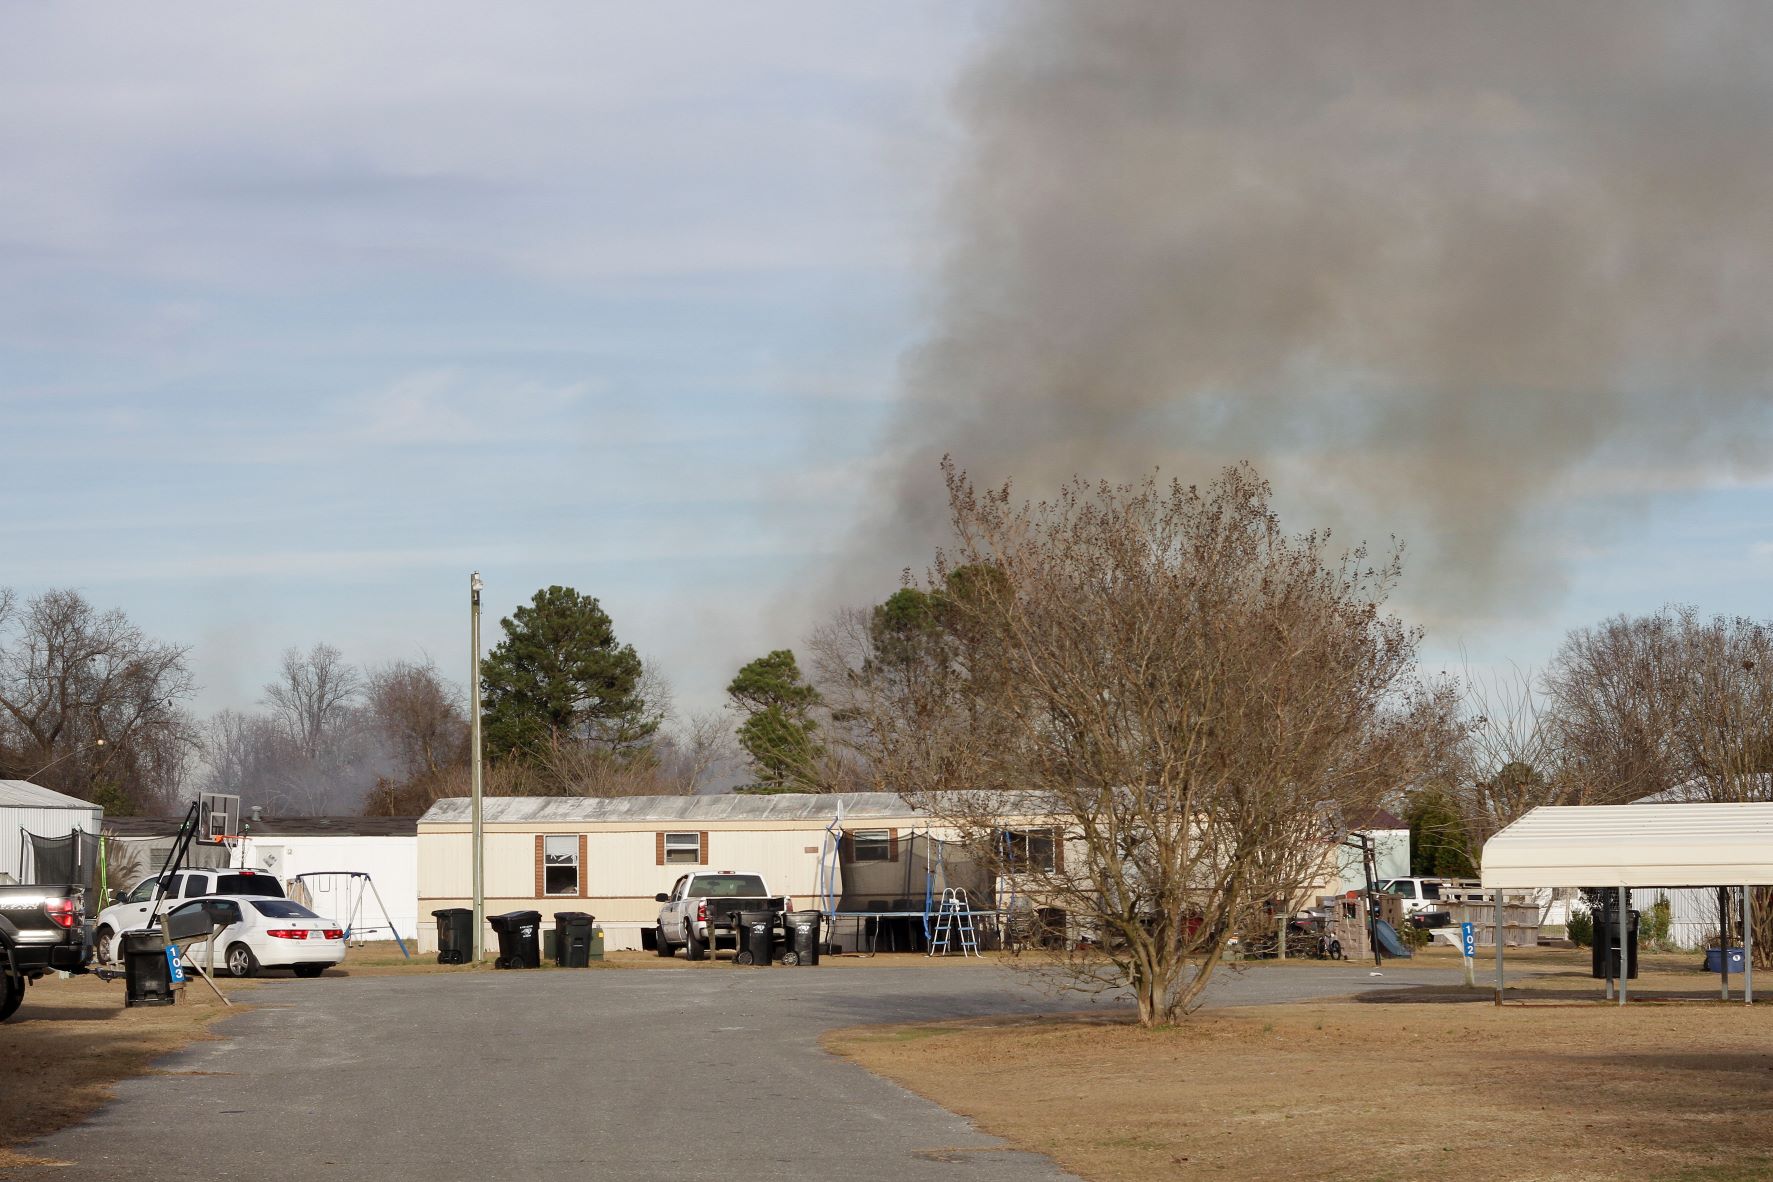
571, 916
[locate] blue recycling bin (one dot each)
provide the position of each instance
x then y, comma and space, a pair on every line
1714, 960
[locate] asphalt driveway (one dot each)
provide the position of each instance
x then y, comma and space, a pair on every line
630, 1075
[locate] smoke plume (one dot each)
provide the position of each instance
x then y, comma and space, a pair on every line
1468, 273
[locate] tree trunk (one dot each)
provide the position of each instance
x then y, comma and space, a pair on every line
1763, 912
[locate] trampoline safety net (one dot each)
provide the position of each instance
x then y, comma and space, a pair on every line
70, 859
881, 885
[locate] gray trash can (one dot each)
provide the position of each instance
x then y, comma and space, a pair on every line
1604, 955
147, 977
520, 939
802, 931
758, 937
455, 935
572, 939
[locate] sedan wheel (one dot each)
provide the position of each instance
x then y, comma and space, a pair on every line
241, 961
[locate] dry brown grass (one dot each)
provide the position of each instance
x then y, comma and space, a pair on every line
72, 1040
1438, 1086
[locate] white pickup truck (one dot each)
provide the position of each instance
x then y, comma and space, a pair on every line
697, 914
129, 912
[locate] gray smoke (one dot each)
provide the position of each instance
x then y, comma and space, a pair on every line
1475, 274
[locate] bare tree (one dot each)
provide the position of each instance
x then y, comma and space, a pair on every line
693, 751
1191, 698
1671, 706
313, 695
90, 702
1505, 762
1616, 694
677, 762
417, 718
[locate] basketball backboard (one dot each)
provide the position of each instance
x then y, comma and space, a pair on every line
218, 816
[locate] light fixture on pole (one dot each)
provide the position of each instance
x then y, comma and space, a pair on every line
474, 589
69, 755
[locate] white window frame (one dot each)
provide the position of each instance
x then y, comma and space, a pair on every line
689, 842
878, 843
552, 859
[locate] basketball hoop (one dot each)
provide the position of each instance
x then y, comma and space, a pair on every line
218, 817
233, 843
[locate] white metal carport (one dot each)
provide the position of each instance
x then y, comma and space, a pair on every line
1637, 845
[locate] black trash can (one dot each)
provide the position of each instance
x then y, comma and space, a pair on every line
572, 939
147, 977
455, 935
1604, 956
801, 930
520, 939
757, 936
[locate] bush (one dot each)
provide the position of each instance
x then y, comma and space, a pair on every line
1654, 924
1580, 929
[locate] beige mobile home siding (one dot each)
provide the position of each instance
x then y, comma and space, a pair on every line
620, 870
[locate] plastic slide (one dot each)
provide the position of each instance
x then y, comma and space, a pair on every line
1389, 942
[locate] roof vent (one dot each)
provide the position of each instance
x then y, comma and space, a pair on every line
258, 812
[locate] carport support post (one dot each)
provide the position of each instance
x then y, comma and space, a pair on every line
1624, 952
1498, 945
1748, 945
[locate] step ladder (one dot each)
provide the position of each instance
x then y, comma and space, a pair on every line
955, 919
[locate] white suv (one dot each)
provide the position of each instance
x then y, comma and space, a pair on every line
130, 912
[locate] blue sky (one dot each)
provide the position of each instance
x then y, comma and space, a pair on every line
307, 311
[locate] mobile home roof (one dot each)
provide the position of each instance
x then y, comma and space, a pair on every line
644, 810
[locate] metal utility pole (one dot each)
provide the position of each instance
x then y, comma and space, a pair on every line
474, 588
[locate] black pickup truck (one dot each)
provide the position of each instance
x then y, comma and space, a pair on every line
41, 928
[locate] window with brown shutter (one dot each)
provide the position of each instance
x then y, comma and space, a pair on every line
683, 849
659, 846
584, 852
561, 864
540, 876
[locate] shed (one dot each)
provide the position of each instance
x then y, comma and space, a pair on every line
27, 808
1635, 845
